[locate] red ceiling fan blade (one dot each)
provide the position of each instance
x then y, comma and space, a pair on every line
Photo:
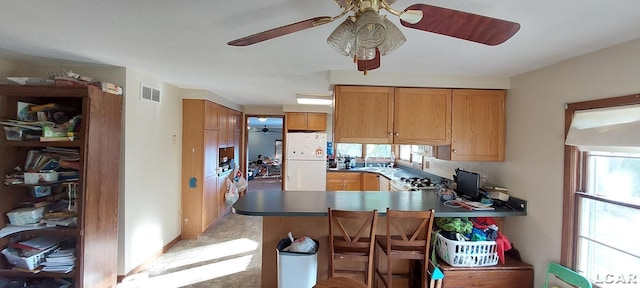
368, 65
463, 25
280, 31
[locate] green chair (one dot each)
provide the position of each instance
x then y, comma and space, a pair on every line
566, 275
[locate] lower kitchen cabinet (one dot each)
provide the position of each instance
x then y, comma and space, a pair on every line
371, 181
384, 183
222, 189
344, 181
513, 273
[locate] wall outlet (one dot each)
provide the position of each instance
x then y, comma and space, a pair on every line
425, 164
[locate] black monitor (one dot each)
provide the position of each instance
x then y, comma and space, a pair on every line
468, 185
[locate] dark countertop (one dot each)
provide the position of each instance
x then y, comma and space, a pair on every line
315, 203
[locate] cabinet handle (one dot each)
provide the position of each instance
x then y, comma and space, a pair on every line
397, 134
390, 133
453, 150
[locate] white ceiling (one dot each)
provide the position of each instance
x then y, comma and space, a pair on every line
184, 42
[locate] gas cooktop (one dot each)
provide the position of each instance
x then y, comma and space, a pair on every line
413, 184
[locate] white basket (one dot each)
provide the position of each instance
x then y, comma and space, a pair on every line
467, 253
30, 262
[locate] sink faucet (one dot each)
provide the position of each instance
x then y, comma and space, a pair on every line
366, 162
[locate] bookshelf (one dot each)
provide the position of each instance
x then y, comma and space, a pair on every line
94, 237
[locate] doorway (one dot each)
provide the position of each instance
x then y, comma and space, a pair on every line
264, 152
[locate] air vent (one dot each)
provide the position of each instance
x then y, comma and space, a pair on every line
150, 93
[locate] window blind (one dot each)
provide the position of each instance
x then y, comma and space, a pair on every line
614, 129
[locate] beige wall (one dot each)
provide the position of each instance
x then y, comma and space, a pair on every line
150, 187
533, 168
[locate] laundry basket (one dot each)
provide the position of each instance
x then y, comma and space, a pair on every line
467, 253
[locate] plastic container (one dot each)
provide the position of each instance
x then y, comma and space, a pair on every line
29, 261
40, 191
296, 269
467, 253
13, 133
25, 216
40, 177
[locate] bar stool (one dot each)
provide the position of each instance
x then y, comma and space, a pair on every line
405, 239
340, 282
357, 245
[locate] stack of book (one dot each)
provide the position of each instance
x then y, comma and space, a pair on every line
60, 261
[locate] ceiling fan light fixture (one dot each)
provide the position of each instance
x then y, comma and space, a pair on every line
370, 29
362, 53
394, 38
343, 38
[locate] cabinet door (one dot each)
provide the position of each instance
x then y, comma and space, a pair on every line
422, 116
385, 184
231, 127
210, 154
297, 120
478, 125
363, 114
209, 202
317, 121
334, 185
222, 189
352, 185
211, 118
370, 182
223, 116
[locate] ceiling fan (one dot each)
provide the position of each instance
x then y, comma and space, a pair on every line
264, 130
366, 35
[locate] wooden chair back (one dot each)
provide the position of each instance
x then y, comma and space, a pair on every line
408, 237
352, 237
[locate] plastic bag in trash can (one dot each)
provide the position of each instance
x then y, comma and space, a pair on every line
301, 245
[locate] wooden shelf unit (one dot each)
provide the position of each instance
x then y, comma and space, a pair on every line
96, 233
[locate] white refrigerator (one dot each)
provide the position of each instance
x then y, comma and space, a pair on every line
306, 162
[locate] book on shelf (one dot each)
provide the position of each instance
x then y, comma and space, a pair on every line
108, 87
59, 138
43, 107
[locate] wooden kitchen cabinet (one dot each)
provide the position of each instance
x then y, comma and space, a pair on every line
306, 121
478, 121
371, 181
222, 189
199, 161
95, 236
422, 116
363, 114
512, 273
386, 115
211, 117
344, 181
384, 183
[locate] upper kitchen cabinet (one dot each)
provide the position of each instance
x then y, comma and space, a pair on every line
386, 115
306, 121
477, 126
422, 116
363, 114
211, 120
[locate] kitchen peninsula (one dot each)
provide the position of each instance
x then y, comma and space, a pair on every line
304, 213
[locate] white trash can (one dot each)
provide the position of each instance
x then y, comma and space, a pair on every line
295, 269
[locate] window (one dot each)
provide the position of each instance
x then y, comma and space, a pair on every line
372, 151
348, 150
604, 242
602, 194
412, 154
